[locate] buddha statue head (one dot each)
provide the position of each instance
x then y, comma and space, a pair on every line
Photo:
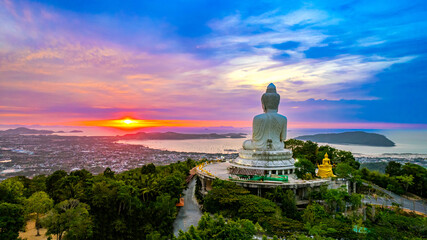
270, 99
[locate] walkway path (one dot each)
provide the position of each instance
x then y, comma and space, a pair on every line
190, 214
417, 205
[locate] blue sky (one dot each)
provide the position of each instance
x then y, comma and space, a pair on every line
349, 62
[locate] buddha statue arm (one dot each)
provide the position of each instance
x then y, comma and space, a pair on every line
284, 131
257, 129
257, 134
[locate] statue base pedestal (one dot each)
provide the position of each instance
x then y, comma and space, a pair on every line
270, 162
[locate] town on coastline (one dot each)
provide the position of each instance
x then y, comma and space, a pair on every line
30, 155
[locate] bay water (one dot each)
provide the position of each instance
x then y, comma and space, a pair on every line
407, 142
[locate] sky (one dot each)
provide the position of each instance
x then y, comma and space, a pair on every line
336, 64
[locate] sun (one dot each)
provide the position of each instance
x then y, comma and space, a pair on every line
127, 121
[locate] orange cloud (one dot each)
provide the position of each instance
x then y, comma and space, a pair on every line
133, 124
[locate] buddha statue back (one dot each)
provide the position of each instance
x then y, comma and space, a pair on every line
266, 150
268, 129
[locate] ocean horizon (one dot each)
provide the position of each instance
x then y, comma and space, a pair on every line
407, 142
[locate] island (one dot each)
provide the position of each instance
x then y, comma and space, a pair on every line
178, 136
356, 138
24, 130
76, 131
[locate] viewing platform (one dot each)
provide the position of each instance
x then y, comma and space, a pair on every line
208, 171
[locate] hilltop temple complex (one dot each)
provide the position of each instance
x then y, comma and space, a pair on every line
264, 162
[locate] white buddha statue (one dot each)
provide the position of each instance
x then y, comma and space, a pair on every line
269, 128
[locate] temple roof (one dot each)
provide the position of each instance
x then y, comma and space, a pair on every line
245, 171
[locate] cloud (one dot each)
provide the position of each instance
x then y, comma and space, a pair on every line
140, 65
250, 58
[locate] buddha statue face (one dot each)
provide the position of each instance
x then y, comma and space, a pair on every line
270, 99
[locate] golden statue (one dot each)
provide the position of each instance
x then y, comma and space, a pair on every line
325, 169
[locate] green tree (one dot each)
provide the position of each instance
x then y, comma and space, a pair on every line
420, 178
149, 168
301, 149
341, 156
289, 205
319, 230
281, 226
108, 173
157, 236
332, 152
173, 184
164, 210
11, 190
276, 195
294, 144
309, 151
313, 213
11, 220
286, 201
70, 187
217, 227
345, 170
38, 203
355, 200
53, 182
253, 207
406, 180
37, 184
336, 199
390, 224
304, 167
224, 197
69, 220
393, 168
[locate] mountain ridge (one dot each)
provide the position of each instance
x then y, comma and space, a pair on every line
178, 136
356, 138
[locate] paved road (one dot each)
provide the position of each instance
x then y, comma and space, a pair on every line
190, 214
419, 205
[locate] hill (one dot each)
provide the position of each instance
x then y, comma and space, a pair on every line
178, 136
358, 138
23, 130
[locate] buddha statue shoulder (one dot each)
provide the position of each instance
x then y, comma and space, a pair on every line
268, 129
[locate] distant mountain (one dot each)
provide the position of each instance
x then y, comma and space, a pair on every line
178, 136
23, 130
76, 131
358, 138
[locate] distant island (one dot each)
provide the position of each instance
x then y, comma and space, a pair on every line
76, 131
23, 130
178, 136
357, 138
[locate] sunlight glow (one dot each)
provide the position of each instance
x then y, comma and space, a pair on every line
128, 121
134, 124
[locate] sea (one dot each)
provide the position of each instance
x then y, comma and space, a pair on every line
407, 142
410, 145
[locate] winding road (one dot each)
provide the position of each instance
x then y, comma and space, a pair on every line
190, 214
417, 205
